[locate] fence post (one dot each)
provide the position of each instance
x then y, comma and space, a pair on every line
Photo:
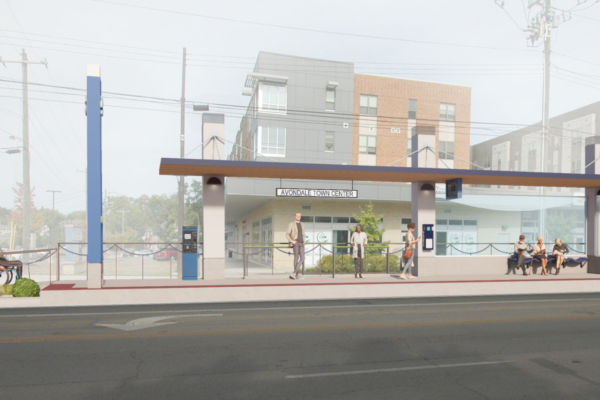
333, 257
244, 262
57, 258
57, 270
387, 256
320, 259
116, 262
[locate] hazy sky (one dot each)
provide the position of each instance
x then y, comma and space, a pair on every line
139, 51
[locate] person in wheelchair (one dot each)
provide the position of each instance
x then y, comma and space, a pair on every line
8, 266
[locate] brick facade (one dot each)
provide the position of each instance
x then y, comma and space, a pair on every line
392, 111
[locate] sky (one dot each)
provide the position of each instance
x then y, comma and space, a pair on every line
139, 45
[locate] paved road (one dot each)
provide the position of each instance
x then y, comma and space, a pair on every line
534, 347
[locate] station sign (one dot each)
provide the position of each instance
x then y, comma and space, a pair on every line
454, 189
325, 193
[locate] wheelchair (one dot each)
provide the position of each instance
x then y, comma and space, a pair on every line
11, 268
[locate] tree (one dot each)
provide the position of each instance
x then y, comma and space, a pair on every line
370, 223
16, 216
560, 224
193, 204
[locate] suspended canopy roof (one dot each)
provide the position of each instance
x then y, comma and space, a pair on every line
334, 172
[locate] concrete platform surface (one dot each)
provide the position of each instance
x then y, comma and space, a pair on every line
277, 288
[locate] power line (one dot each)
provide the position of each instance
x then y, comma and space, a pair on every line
300, 29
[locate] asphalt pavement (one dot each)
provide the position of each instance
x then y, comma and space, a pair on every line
511, 347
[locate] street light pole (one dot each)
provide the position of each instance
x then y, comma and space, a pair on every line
123, 212
52, 233
181, 155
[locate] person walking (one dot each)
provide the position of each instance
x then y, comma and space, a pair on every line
520, 249
409, 254
295, 235
559, 251
539, 252
358, 241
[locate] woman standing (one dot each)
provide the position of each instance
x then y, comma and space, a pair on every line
539, 252
559, 251
409, 254
359, 241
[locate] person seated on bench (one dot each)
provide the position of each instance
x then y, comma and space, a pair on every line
559, 251
539, 252
520, 249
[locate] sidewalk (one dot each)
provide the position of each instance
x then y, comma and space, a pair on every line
279, 288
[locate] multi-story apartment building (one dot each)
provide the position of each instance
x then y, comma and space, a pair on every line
521, 150
319, 111
388, 111
564, 152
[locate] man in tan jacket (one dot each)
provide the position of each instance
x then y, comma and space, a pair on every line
295, 235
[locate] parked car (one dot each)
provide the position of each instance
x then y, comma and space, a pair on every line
167, 254
143, 252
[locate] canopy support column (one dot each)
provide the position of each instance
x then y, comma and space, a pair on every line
213, 227
422, 200
592, 153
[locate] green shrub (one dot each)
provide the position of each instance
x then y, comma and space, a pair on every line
6, 290
26, 288
375, 262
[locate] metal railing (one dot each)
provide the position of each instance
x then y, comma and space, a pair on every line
493, 249
329, 258
35, 269
122, 260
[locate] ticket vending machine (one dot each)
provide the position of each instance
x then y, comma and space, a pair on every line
428, 239
190, 253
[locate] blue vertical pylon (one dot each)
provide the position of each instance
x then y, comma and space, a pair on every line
94, 164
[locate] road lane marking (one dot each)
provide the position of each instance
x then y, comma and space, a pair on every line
403, 305
151, 322
158, 335
375, 371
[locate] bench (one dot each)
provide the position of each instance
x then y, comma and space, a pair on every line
530, 260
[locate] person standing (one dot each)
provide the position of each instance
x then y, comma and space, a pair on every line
539, 252
520, 249
295, 235
559, 251
409, 251
358, 241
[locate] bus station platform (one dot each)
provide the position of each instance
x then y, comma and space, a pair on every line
281, 288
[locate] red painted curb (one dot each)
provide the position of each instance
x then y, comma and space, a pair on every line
66, 286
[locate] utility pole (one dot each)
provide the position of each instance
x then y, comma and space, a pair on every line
123, 212
26, 156
540, 27
181, 155
53, 233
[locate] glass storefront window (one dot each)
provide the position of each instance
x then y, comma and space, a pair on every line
474, 222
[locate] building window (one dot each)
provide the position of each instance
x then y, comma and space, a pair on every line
531, 158
274, 97
575, 166
256, 232
267, 237
329, 141
368, 104
412, 109
487, 162
446, 150
576, 137
447, 112
330, 100
272, 141
367, 144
